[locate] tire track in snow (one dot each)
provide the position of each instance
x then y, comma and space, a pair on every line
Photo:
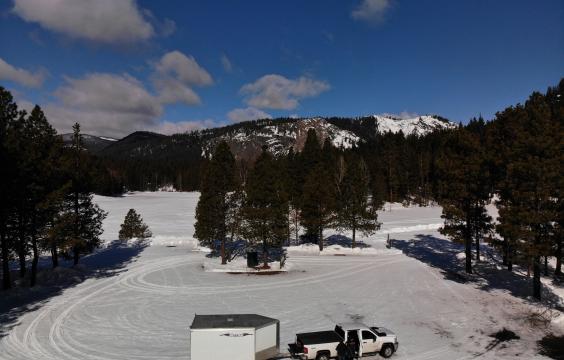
62, 345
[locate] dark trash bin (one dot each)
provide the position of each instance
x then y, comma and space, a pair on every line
252, 259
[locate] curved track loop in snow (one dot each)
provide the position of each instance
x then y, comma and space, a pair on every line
144, 313
67, 327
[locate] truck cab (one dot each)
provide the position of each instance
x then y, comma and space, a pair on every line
368, 340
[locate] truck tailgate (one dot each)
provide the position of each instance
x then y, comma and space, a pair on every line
295, 349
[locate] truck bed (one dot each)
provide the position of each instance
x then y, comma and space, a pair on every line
319, 337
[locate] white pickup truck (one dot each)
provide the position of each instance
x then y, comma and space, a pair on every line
322, 345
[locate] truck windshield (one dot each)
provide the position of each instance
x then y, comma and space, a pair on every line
340, 331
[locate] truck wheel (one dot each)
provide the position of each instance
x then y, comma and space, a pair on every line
387, 351
323, 356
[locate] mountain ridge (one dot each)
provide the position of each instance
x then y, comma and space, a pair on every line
246, 139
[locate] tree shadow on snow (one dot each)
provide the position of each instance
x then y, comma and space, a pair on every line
106, 262
343, 241
442, 254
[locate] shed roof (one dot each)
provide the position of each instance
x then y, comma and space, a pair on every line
231, 321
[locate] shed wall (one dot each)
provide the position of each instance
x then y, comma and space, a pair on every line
233, 344
266, 342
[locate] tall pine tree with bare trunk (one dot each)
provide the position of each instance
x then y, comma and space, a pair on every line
464, 189
265, 207
355, 210
218, 180
9, 113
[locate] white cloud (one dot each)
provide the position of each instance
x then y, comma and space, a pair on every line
97, 122
184, 68
277, 92
371, 10
104, 21
167, 27
120, 93
226, 63
164, 28
104, 104
21, 76
175, 74
169, 127
23, 103
117, 104
249, 113
173, 91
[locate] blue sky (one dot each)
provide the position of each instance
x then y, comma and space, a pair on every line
167, 66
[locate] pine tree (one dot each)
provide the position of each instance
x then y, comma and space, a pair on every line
134, 227
23, 174
309, 161
234, 216
292, 188
355, 212
9, 114
81, 219
54, 204
533, 174
218, 181
464, 190
41, 145
559, 234
554, 98
310, 155
266, 205
318, 203
390, 154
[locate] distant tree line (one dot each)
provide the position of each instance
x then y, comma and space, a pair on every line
46, 193
149, 162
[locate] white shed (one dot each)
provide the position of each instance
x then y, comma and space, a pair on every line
234, 337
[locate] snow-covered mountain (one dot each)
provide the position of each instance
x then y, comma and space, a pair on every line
279, 135
90, 142
419, 125
246, 139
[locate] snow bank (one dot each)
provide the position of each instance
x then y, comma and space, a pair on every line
332, 250
404, 229
239, 265
186, 241
167, 188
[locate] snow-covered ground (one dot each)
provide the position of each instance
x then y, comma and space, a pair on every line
142, 307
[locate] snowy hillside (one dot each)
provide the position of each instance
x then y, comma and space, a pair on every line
419, 125
91, 142
246, 139
281, 136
